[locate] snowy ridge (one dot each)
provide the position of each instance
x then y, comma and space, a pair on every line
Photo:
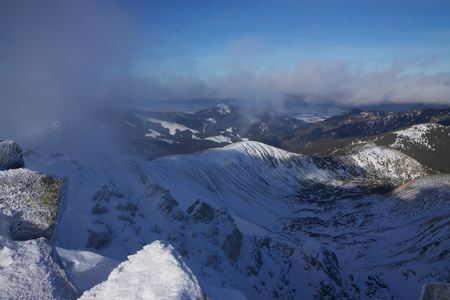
264, 170
385, 163
219, 139
417, 134
155, 272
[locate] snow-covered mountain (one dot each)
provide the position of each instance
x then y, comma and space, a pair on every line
156, 134
355, 124
244, 221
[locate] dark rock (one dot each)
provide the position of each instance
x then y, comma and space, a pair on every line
106, 193
10, 156
99, 209
232, 244
166, 203
98, 240
318, 256
201, 212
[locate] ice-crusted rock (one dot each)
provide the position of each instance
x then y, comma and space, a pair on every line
155, 272
432, 291
10, 155
220, 228
31, 200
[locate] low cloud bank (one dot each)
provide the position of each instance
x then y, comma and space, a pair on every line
314, 82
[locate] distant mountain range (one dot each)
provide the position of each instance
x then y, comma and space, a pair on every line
158, 134
228, 203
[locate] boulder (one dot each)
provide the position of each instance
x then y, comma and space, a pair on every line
31, 201
10, 155
437, 290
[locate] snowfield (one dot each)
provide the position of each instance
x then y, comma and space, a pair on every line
219, 139
173, 127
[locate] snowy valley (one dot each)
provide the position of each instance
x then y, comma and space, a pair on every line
209, 206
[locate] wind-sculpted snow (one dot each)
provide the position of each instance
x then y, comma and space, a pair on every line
247, 171
155, 272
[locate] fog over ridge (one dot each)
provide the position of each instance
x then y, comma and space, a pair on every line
57, 58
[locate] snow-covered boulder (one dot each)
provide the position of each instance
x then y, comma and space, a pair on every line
10, 155
28, 269
31, 200
155, 272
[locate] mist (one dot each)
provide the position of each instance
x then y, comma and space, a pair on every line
59, 59
56, 60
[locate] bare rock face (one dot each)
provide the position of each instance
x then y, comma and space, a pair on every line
10, 155
31, 201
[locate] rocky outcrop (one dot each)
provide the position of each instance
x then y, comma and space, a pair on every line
201, 212
31, 200
30, 206
98, 240
10, 155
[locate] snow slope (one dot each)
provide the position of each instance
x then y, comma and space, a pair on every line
248, 220
386, 164
417, 134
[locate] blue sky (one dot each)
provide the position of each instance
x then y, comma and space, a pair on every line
211, 36
57, 57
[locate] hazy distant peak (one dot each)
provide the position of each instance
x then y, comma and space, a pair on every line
223, 108
351, 112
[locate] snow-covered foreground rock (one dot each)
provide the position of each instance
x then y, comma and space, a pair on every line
155, 272
29, 206
32, 201
246, 221
28, 269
